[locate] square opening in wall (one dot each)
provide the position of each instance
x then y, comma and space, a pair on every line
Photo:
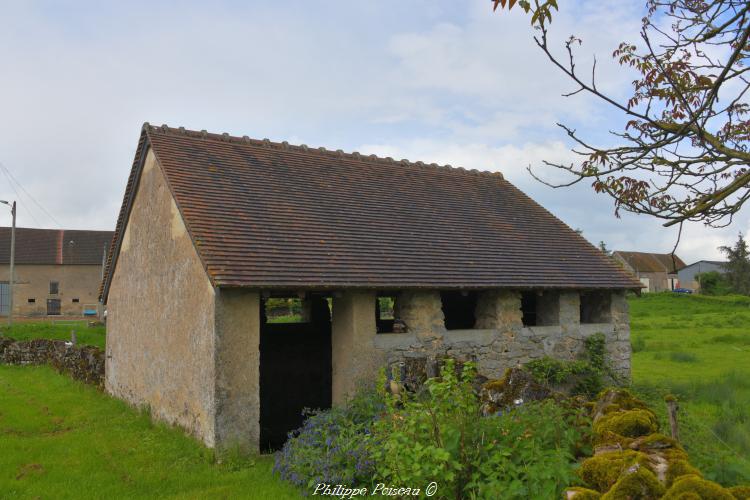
385, 315
285, 310
76, 301
595, 307
32, 301
540, 308
459, 309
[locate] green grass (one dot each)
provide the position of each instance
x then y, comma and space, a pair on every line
61, 439
698, 348
60, 331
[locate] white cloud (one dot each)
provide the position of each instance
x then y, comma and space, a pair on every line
432, 80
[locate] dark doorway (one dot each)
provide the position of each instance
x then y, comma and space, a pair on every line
295, 371
53, 307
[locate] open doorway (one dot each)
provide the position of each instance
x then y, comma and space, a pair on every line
295, 367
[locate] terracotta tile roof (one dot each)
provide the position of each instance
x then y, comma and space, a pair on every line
55, 246
271, 215
652, 262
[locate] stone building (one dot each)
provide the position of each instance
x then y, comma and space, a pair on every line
657, 272
212, 227
57, 271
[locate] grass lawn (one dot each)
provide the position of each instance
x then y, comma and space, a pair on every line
698, 348
61, 439
59, 330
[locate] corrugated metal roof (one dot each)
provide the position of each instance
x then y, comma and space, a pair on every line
271, 215
55, 246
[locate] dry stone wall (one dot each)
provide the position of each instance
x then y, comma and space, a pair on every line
84, 363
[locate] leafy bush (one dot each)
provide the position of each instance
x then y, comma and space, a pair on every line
333, 446
588, 373
714, 283
441, 435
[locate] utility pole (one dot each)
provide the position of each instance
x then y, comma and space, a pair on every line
11, 279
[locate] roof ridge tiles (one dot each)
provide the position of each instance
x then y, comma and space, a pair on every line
225, 137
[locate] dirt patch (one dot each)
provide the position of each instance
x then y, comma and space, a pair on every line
28, 469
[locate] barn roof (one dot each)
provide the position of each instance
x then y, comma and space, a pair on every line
271, 215
652, 262
55, 246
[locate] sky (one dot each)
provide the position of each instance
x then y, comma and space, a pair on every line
431, 80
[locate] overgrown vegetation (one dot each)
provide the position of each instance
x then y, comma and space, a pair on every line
586, 377
62, 439
438, 434
86, 335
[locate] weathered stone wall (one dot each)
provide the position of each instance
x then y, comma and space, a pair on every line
75, 282
500, 340
84, 363
161, 321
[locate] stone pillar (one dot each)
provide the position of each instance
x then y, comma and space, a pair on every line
618, 346
499, 310
422, 311
570, 313
237, 360
354, 356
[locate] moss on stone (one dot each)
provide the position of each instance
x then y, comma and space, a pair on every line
637, 483
629, 423
705, 489
578, 493
679, 468
602, 471
740, 492
655, 441
622, 398
612, 438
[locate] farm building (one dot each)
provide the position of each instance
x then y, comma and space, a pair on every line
57, 271
688, 275
656, 271
214, 227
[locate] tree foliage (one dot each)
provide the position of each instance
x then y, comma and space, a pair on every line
738, 266
682, 150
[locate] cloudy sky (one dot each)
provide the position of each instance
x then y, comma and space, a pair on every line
432, 80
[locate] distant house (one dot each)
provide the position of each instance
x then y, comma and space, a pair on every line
213, 227
657, 271
688, 274
57, 272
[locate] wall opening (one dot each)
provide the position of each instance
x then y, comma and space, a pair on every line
295, 369
54, 287
53, 307
540, 308
286, 310
595, 307
385, 314
459, 309
528, 308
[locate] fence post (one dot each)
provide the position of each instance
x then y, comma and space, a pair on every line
672, 408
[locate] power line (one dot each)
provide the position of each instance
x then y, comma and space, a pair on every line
18, 196
8, 172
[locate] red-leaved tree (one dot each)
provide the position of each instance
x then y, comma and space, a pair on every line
682, 147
